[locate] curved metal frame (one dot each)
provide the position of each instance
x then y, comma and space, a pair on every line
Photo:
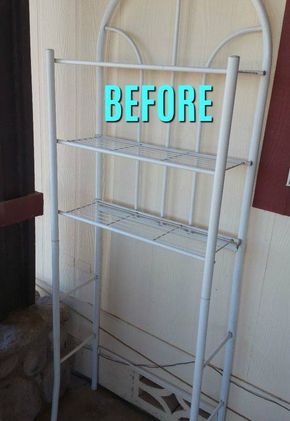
231, 77
139, 127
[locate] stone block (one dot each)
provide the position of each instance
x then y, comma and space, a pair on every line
35, 358
20, 329
26, 369
20, 400
8, 365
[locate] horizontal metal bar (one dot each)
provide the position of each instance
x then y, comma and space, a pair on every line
213, 354
71, 291
155, 67
215, 412
77, 348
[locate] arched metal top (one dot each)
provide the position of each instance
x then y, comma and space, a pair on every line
264, 28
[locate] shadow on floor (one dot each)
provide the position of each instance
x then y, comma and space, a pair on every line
80, 403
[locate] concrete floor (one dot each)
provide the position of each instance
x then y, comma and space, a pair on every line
80, 403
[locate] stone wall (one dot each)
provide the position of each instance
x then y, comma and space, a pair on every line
26, 371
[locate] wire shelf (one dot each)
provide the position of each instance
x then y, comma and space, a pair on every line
176, 158
181, 238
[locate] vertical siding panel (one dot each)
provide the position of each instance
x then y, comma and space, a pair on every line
35, 69
56, 23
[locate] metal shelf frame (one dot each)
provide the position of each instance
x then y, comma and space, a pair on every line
157, 230
175, 236
145, 152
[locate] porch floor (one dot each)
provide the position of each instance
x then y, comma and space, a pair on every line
81, 403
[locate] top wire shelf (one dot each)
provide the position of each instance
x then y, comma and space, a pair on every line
176, 158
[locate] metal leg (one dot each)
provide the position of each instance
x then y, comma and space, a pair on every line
54, 229
99, 185
246, 206
232, 326
168, 126
96, 311
223, 144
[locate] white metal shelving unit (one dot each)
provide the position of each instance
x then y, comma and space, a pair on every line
183, 238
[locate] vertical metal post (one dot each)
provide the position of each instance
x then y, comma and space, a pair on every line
139, 136
50, 70
99, 178
215, 209
168, 128
239, 260
246, 205
139, 127
98, 231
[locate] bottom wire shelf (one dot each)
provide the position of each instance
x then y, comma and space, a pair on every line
181, 238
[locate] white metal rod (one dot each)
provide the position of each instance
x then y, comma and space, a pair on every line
168, 128
246, 203
218, 348
141, 82
128, 39
96, 308
99, 189
139, 138
236, 34
232, 36
215, 209
133, 66
73, 290
51, 108
155, 67
77, 348
216, 411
